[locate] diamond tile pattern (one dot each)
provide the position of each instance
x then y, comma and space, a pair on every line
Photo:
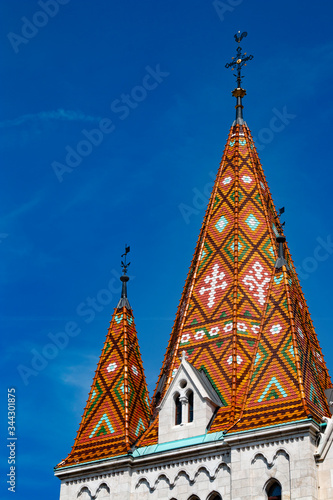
264, 371
252, 222
240, 320
118, 407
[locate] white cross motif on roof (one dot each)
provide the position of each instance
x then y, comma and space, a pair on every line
213, 280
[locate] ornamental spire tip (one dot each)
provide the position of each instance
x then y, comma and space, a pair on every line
237, 63
124, 279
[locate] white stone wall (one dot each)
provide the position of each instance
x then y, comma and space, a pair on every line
325, 463
181, 479
203, 410
115, 485
238, 469
325, 476
168, 431
289, 461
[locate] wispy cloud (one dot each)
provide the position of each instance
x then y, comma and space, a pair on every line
79, 375
47, 116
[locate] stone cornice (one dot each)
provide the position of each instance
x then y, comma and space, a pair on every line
223, 447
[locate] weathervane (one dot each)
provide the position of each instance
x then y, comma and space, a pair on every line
280, 225
123, 302
240, 59
124, 264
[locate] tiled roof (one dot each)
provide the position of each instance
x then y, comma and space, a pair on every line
243, 321
118, 407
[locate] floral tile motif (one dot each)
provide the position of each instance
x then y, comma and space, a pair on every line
102, 429
233, 304
276, 329
247, 179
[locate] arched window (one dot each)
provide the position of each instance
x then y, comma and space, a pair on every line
190, 406
178, 410
103, 491
273, 491
214, 496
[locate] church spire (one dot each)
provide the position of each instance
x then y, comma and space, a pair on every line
242, 316
118, 408
238, 62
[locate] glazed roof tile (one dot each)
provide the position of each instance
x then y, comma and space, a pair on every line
118, 407
240, 319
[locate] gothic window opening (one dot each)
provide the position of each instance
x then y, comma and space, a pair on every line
190, 406
178, 410
274, 491
215, 496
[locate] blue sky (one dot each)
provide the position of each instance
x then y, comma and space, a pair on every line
66, 75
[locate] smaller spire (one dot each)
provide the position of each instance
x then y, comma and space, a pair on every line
123, 302
237, 63
281, 261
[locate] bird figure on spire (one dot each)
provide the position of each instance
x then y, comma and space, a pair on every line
124, 264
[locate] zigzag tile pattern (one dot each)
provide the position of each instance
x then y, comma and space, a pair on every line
118, 408
243, 322
314, 373
273, 393
239, 318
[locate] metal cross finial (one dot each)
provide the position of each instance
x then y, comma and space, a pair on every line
124, 264
240, 59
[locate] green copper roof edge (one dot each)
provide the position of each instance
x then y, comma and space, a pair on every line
179, 443
204, 438
182, 443
92, 462
155, 448
272, 426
